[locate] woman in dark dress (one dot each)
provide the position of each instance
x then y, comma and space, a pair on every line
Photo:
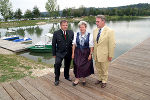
82, 54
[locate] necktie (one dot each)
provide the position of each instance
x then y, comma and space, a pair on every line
65, 34
98, 35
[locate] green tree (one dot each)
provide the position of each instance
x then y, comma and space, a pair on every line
18, 14
36, 12
5, 9
28, 14
51, 7
11, 14
57, 11
64, 12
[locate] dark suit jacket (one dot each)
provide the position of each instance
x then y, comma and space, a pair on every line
60, 46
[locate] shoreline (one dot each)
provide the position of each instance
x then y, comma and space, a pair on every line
75, 19
36, 69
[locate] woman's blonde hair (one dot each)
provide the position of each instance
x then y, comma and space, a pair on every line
82, 23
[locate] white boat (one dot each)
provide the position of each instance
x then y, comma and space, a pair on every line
10, 31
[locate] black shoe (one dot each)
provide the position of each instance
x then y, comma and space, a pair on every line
56, 83
68, 79
103, 85
74, 84
83, 83
98, 82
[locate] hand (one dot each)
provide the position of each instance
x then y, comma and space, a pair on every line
90, 57
54, 56
72, 56
110, 58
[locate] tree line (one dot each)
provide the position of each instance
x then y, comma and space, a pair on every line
53, 11
120, 11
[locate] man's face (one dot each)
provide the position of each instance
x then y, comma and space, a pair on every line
64, 26
99, 23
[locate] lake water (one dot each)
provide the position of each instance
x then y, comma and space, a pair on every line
127, 34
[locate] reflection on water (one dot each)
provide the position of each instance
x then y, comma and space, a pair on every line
45, 57
38, 31
127, 33
20, 32
30, 30
54, 27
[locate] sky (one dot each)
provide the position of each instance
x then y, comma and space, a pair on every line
29, 4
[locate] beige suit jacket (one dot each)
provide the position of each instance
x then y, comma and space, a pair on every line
105, 46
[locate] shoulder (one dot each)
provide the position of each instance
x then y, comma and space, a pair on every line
95, 30
57, 32
108, 28
110, 31
70, 31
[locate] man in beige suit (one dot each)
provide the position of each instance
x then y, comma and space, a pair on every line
104, 44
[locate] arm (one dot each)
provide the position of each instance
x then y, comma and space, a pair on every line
74, 45
91, 44
73, 48
111, 45
54, 45
91, 52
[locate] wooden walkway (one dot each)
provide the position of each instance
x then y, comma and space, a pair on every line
129, 79
14, 46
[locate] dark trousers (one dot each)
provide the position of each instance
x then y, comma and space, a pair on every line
57, 66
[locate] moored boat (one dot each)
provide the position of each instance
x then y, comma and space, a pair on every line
41, 48
10, 37
23, 40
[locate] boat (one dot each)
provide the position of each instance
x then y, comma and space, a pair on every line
23, 40
13, 37
42, 47
10, 31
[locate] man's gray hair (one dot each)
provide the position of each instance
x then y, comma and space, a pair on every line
82, 23
102, 17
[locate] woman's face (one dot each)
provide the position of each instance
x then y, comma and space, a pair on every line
82, 28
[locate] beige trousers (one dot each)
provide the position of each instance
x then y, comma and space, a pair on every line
102, 69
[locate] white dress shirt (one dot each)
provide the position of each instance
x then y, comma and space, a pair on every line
91, 44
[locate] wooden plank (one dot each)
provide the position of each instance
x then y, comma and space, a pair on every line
132, 53
12, 92
61, 89
131, 76
32, 90
23, 91
137, 56
14, 46
45, 89
130, 84
123, 92
125, 62
90, 86
129, 69
136, 62
83, 89
3, 94
140, 50
72, 89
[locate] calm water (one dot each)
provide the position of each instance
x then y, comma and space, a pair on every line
127, 33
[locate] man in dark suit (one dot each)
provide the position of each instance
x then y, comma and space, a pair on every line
62, 49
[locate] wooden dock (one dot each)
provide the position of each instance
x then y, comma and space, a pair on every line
14, 46
129, 79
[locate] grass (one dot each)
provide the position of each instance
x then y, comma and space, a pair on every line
111, 18
20, 23
13, 67
29, 22
86, 18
